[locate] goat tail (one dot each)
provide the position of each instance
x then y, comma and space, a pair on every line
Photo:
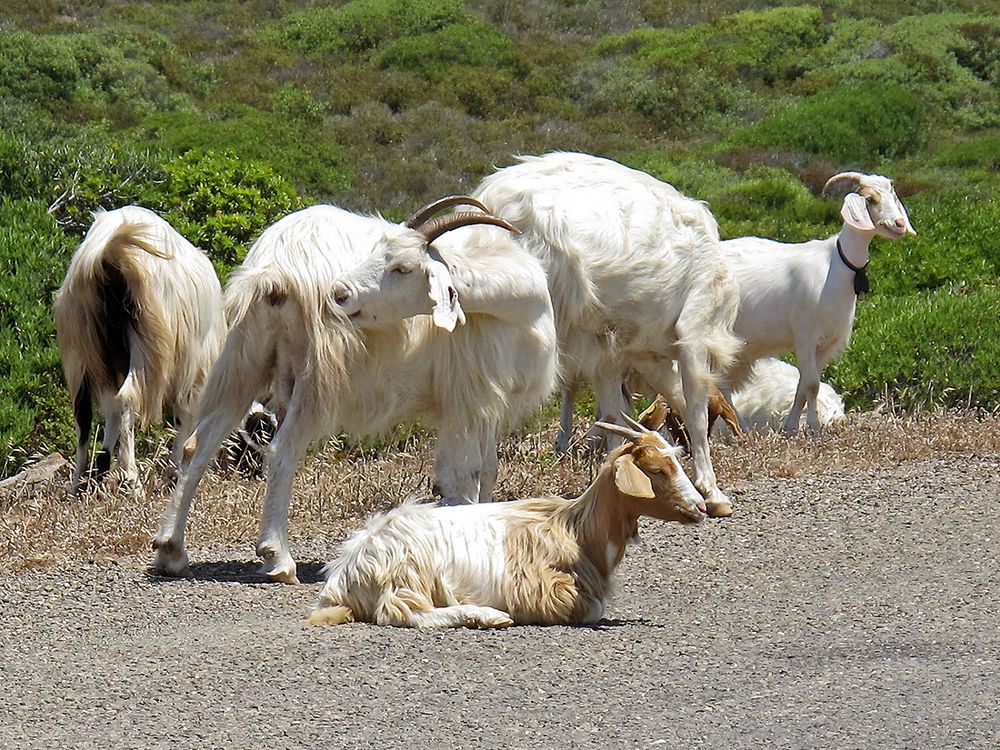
110, 322
338, 614
281, 315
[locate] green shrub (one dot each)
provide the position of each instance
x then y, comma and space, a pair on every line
300, 150
433, 54
949, 60
924, 350
221, 202
80, 76
34, 405
78, 177
363, 25
845, 123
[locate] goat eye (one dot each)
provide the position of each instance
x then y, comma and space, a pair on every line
402, 269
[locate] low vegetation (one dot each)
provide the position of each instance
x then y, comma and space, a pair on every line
225, 116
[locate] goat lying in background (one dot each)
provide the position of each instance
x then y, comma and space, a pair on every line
139, 320
545, 561
764, 400
802, 296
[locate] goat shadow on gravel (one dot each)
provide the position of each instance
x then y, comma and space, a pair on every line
239, 571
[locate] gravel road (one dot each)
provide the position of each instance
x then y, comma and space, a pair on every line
854, 610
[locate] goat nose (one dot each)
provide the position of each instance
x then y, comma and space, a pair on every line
341, 293
900, 223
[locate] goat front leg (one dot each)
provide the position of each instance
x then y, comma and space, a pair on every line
806, 391
458, 465
461, 616
490, 462
696, 380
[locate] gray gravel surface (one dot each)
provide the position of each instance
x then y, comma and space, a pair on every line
857, 610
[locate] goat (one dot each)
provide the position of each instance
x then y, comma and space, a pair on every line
803, 296
139, 321
636, 279
546, 561
763, 401
482, 360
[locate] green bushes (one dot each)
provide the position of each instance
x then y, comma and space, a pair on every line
221, 203
364, 25
846, 123
290, 141
34, 407
924, 350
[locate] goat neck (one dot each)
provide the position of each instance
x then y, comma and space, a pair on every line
605, 521
854, 243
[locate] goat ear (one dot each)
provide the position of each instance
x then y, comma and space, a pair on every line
855, 213
631, 480
448, 310
655, 414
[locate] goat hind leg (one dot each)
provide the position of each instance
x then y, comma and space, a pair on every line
170, 557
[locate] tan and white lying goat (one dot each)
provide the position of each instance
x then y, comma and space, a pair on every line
543, 561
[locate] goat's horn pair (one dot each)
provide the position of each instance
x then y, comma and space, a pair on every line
420, 217
634, 432
434, 228
431, 229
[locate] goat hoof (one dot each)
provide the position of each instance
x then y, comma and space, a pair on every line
170, 560
282, 577
719, 508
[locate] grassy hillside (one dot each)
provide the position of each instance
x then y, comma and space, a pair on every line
224, 116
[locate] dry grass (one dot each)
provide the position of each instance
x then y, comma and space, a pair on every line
40, 526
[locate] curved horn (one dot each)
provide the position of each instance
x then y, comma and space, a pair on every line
617, 429
434, 228
633, 424
421, 216
841, 184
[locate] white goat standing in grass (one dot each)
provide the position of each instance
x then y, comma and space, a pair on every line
139, 320
636, 279
483, 359
545, 561
802, 296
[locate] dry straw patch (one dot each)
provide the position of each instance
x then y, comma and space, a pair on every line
336, 488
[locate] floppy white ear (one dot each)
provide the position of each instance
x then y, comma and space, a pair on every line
448, 310
631, 480
855, 212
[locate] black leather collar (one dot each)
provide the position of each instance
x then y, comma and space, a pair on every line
860, 274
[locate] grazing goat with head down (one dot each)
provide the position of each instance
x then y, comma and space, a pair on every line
545, 561
802, 296
139, 320
636, 279
483, 359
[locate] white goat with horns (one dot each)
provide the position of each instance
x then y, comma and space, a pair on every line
483, 359
139, 321
803, 296
636, 279
545, 561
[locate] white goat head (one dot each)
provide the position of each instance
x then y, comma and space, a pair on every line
649, 475
405, 275
870, 204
